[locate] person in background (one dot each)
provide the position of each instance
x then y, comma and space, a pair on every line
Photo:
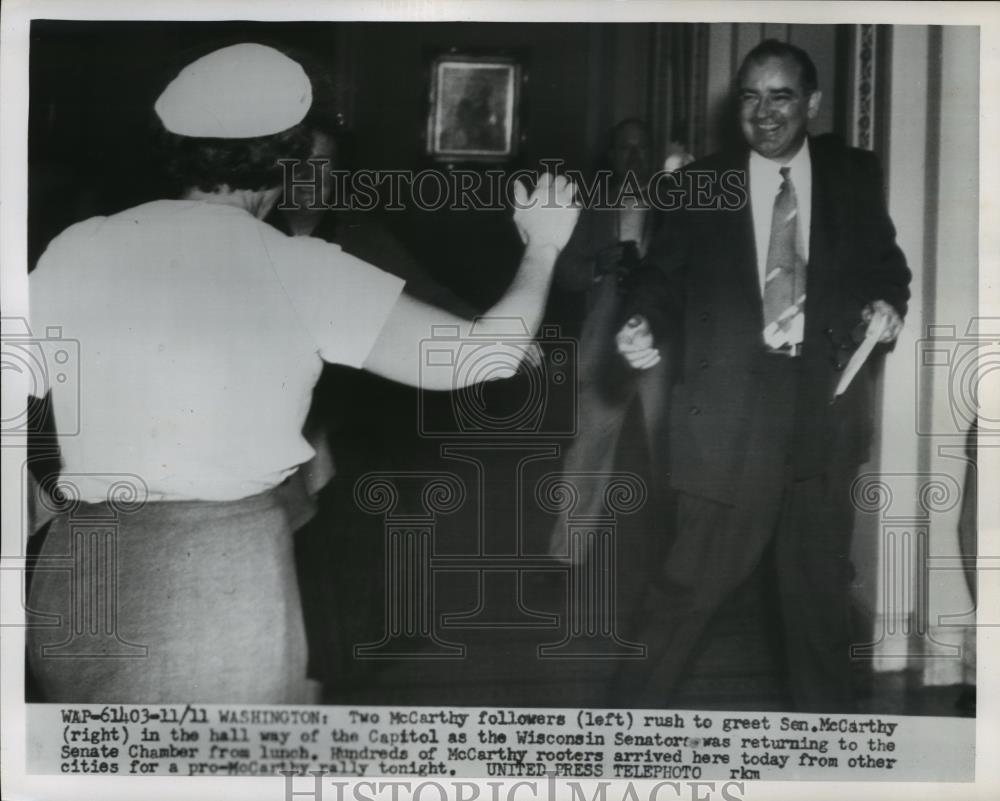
361, 234
202, 333
766, 298
358, 422
595, 267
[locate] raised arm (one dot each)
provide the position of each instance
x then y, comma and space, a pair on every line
545, 221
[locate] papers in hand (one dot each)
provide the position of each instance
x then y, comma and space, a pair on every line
876, 327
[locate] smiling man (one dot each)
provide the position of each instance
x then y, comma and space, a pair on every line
778, 95
760, 309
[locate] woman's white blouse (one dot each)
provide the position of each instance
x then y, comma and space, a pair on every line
200, 332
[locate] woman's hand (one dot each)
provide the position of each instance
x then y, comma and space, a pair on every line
548, 216
545, 221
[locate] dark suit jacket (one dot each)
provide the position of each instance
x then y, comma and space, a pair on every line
701, 293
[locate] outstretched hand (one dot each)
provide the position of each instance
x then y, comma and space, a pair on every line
548, 215
635, 343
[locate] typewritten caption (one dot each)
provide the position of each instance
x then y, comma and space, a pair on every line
196, 740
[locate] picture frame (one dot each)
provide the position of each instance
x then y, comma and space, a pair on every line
474, 109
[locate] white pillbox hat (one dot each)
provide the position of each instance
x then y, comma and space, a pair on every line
238, 92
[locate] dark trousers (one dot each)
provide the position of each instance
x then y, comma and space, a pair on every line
718, 546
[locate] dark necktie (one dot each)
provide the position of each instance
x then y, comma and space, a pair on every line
785, 274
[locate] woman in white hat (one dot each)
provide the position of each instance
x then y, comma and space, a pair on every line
201, 332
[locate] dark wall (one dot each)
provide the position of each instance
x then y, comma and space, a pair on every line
91, 121
391, 72
93, 85
473, 252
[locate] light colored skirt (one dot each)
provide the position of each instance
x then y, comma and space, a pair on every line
175, 602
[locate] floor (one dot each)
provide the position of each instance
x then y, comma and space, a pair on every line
737, 668
467, 655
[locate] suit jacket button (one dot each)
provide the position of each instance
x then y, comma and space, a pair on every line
704, 317
694, 411
703, 364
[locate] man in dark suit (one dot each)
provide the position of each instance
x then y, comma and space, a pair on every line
761, 303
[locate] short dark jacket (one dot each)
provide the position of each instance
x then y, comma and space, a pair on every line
700, 290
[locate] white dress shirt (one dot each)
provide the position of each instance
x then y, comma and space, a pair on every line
765, 183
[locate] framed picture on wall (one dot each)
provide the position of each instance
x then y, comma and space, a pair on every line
474, 103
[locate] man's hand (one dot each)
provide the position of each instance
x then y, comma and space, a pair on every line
894, 323
549, 215
635, 343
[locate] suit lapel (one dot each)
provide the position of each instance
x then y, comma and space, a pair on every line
823, 229
744, 245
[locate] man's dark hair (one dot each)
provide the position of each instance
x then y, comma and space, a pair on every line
773, 48
629, 122
206, 164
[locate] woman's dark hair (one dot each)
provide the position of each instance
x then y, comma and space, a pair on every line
207, 164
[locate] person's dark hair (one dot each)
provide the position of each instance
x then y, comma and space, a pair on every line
773, 48
602, 160
627, 123
206, 164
